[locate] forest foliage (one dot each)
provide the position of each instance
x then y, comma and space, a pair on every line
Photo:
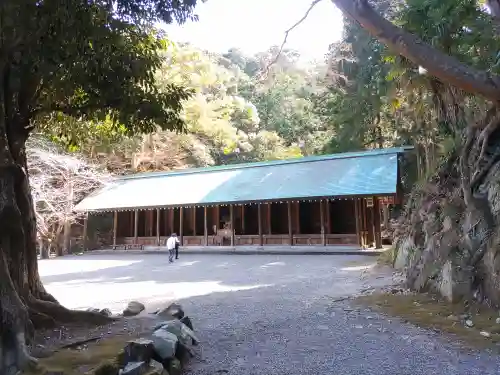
274, 105
361, 96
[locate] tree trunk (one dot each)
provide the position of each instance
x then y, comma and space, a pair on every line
24, 302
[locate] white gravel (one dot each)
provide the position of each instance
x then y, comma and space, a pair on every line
268, 314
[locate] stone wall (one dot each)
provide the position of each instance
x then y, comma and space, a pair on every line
437, 238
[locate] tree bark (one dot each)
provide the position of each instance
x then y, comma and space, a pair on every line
24, 303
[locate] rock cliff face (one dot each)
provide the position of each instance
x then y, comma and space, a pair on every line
446, 247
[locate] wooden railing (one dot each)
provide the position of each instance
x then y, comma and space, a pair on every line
223, 238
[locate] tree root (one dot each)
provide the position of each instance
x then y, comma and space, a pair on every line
47, 314
485, 135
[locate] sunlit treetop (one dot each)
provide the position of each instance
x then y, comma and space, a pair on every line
94, 59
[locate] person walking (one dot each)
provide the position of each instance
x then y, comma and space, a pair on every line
172, 247
176, 247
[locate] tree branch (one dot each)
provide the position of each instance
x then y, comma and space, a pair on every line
285, 39
440, 65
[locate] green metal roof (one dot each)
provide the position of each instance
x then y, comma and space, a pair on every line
349, 174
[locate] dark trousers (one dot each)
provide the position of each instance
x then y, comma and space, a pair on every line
176, 251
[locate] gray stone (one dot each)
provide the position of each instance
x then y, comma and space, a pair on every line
135, 368
106, 312
174, 367
93, 309
165, 344
133, 308
485, 334
174, 310
454, 281
156, 368
497, 320
139, 350
183, 333
469, 323
187, 322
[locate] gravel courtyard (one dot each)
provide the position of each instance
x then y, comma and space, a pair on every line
265, 314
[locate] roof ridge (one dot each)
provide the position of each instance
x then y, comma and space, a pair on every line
298, 160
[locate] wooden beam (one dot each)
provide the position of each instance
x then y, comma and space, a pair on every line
328, 221
322, 219
136, 225
289, 215
259, 215
158, 217
215, 220
171, 221
269, 218
364, 221
376, 223
85, 231
193, 221
181, 226
231, 218
115, 226
358, 223
205, 225
147, 223
297, 217
370, 226
242, 219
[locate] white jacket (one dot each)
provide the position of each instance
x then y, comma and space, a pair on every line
171, 243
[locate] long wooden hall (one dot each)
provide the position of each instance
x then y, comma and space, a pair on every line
323, 200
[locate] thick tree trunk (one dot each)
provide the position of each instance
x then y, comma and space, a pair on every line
24, 302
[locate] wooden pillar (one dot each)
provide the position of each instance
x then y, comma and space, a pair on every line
85, 231
193, 220
290, 231
214, 220
297, 217
205, 225
148, 228
357, 216
171, 220
158, 213
115, 226
364, 226
231, 218
259, 214
328, 221
369, 224
181, 226
242, 219
376, 223
217, 217
269, 218
322, 219
136, 225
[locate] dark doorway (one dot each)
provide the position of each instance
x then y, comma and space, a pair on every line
200, 221
279, 218
251, 219
342, 217
309, 217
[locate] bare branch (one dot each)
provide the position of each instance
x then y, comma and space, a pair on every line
58, 181
264, 75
